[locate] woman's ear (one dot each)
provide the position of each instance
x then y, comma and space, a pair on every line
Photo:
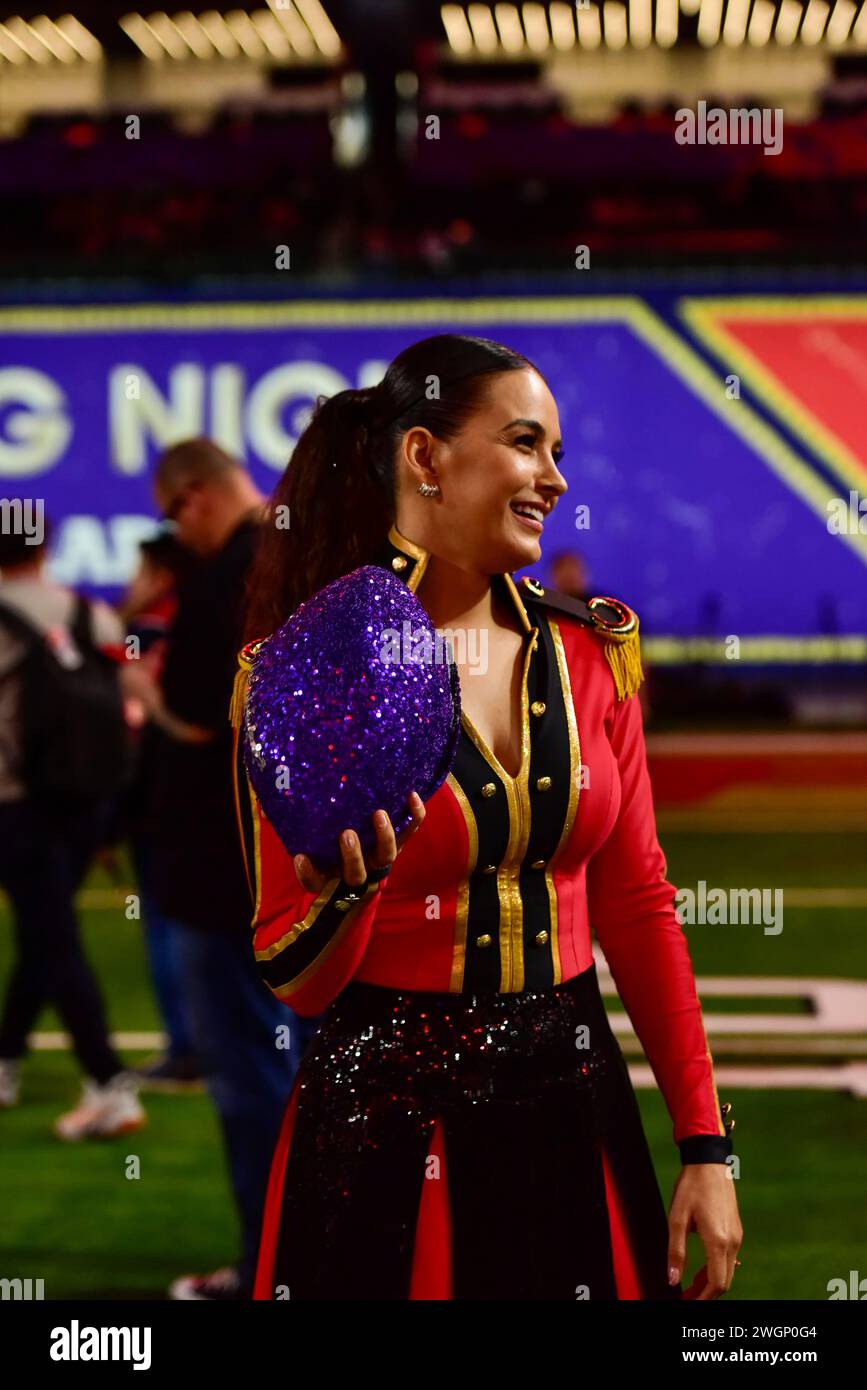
419, 449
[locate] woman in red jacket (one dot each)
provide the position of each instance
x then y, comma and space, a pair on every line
463, 1125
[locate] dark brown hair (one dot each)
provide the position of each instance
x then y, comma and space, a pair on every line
339, 487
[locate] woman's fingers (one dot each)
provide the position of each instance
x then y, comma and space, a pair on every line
417, 811
385, 851
354, 871
309, 877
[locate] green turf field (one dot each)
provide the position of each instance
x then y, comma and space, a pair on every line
72, 1217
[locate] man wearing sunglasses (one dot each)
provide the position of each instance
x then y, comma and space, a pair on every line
200, 882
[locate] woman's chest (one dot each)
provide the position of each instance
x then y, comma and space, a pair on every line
563, 800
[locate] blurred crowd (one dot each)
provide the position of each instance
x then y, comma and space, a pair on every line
114, 731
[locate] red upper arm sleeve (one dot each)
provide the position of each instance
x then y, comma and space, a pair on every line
632, 912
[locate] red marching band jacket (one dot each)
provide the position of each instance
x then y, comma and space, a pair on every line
508, 878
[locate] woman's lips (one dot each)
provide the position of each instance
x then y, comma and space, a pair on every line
530, 522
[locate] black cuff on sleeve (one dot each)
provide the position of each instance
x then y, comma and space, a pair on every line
705, 1148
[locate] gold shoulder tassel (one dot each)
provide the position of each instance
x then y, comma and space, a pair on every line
624, 658
239, 692
239, 685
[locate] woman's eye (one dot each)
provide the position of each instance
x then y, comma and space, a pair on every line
526, 441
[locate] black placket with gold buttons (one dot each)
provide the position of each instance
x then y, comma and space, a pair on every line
507, 927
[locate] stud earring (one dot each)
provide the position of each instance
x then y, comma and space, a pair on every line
428, 489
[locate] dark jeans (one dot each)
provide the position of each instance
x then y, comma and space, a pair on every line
236, 1026
42, 862
161, 941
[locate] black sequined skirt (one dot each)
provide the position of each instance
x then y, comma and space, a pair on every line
466, 1147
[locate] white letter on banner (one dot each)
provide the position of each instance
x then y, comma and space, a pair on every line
269, 397
165, 421
38, 431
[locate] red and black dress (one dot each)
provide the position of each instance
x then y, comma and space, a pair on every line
463, 1125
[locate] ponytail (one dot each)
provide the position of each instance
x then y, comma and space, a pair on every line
334, 505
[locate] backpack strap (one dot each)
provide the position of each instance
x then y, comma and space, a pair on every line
612, 622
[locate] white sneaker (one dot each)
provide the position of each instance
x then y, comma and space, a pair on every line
10, 1082
103, 1111
223, 1286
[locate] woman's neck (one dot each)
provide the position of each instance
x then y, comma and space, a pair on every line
453, 595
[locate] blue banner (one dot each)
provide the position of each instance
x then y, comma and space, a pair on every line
688, 497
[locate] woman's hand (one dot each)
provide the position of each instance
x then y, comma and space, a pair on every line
355, 870
704, 1201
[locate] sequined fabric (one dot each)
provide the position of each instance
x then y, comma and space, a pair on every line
529, 1089
351, 705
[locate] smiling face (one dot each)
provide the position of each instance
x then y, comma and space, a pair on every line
498, 478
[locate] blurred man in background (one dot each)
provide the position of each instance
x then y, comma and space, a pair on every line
62, 763
148, 610
198, 873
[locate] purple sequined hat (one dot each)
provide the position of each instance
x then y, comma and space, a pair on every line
351, 705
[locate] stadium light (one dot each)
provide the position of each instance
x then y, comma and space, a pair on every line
457, 29
735, 27
562, 19
29, 41
324, 34
813, 23
640, 23
301, 40
271, 34
666, 23
54, 39
509, 28
788, 22
218, 31
840, 23
709, 17
536, 28
244, 31
483, 28
761, 23
614, 16
589, 28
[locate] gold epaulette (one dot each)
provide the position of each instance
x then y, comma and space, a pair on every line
610, 619
246, 657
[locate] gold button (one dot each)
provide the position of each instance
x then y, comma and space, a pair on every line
483, 940
342, 905
399, 563
537, 707
541, 938
538, 864
489, 869
542, 784
489, 789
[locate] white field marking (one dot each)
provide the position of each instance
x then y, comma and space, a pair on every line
132, 1042
850, 1076
825, 897
836, 1006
